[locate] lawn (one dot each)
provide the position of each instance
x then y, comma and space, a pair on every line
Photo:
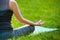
34, 10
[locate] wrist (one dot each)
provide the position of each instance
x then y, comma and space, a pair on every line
33, 24
36, 24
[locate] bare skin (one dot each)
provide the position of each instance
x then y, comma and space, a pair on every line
14, 7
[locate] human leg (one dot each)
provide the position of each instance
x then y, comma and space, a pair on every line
5, 35
17, 32
23, 31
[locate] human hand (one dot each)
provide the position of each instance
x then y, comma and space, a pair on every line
39, 23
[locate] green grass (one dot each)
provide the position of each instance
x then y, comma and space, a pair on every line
34, 10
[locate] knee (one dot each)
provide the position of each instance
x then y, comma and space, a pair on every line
31, 28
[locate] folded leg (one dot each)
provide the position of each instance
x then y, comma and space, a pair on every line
23, 31
17, 32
